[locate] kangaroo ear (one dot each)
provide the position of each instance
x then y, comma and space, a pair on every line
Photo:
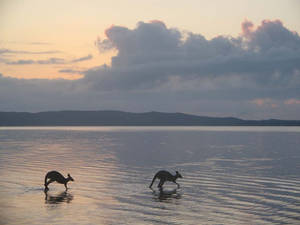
68, 175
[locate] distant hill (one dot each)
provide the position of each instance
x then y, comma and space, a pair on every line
119, 118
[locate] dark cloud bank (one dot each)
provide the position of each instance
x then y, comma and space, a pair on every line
254, 75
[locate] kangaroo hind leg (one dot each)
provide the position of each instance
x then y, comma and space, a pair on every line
49, 182
161, 183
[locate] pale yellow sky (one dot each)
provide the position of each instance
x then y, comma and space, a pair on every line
69, 28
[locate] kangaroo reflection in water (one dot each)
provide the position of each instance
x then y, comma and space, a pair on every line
165, 195
58, 198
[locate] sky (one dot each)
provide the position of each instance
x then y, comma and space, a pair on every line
233, 58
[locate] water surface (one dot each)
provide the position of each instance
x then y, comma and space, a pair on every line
231, 175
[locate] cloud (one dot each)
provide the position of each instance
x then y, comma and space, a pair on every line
103, 45
270, 35
260, 102
88, 57
29, 43
10, 51
164, 69
39, 43
292, 101
47, 61
247, 28
71, 71
152, 55
30, 61
265, 102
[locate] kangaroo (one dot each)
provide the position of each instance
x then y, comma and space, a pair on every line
56, 176
164, 176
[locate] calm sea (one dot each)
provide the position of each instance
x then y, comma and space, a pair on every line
231, 175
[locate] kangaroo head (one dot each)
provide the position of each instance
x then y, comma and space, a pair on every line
178, 174
70, 178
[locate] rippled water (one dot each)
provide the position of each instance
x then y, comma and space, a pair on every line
231, 175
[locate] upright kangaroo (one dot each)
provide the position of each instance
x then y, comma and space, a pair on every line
56, 176
164, 176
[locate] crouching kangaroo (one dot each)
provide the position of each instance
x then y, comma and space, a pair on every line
164, 176
56, 176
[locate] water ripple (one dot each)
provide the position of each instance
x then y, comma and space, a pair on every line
224, 180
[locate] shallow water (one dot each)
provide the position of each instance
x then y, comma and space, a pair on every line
231, 175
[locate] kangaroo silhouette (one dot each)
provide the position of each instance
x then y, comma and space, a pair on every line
164, 176
56, 176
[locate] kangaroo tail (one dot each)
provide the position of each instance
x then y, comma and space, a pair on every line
152, 181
